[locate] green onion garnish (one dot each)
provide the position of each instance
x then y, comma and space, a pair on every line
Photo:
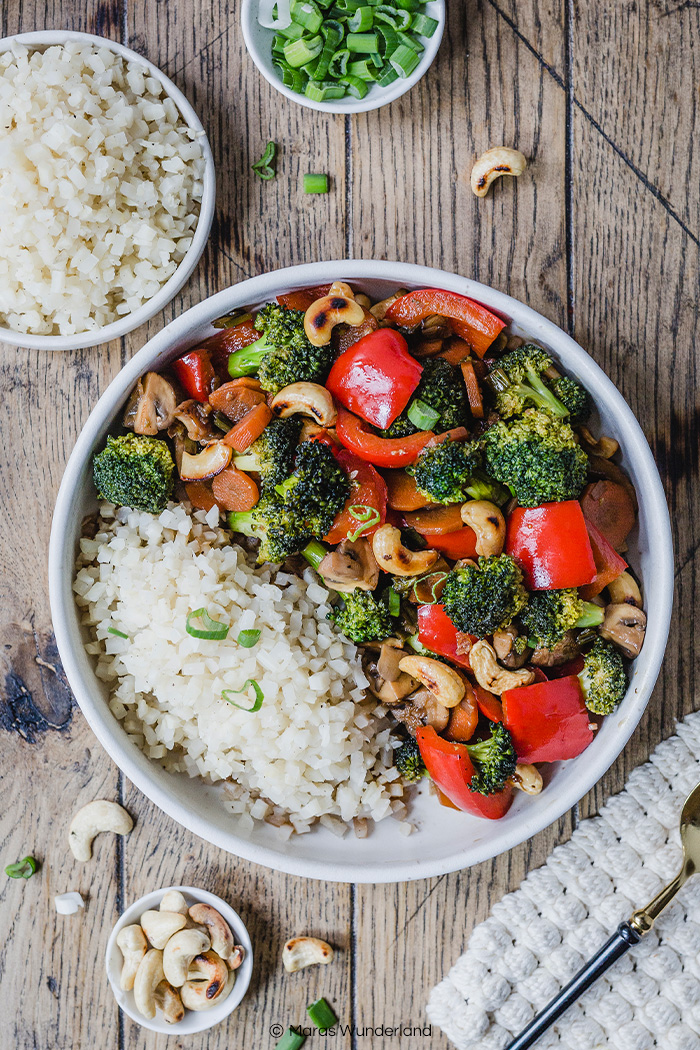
259, 696
321, 1015
212, 630
361, 20
315, 183
300, 52
423, 24
119, 634
398, 20
314, 553
306, 14
422, 415
404, 60
362, 43
238, 316
368, 516
357, 86
394, 602
291, 1040
264, 167
248, 638
22, 869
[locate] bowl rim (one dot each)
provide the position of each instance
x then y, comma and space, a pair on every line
257, 289
243, 976
167, 292
365, 105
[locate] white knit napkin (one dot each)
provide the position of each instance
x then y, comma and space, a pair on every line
537, 938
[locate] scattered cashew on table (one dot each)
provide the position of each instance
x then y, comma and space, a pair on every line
491, 165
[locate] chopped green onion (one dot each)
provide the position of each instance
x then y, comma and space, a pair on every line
291, 78
396, 19
408, 5
259, 696
22, 869
321, 1015
294, 31
291, 1040
423, 24
314, 553
119, 634
362, 19
238, 316
301, 52
315, 183
306, 14
339, 63
388, 40
394, 602
362, 43
410, 41
213, 630
362, 71
368, 516
249, 638
320, 91
404, 60
422, 415
264, 167
357, 86
332, 34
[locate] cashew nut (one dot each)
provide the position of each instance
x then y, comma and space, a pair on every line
527, 778
500, 160
488, 523
218, 929
393, 557
624, 591
236, 957
133, 946
363, 300
305, 951
159, 926
341, 288
489, 673
207, 978
148, 977
179, 952
305, 399
89, 821
168, 999
446, 684
323, 315
174, 901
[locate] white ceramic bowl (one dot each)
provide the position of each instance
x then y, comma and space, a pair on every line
444, 840
193, 1021
41, 40
258, 40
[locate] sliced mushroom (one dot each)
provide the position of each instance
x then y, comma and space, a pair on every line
393, 557
351, 566
207, 463
604, 447
625, 626
504, 646
389, 692
151, 405
422, 709
565, 649
305, 399
625, 591
390, 655
196, 421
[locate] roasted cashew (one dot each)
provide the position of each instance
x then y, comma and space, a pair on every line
489, 673
168, 999
446, 684
159, 926
97, 816
174, 901
364, 300
218, 929
624, 591
236, 957
379, 309
305, 399
341, 288
500, 160
207, 979
148, 977
305, 951
133, 946
206, 464
488, 523
393, 557
527, 778
323, 315
179, 952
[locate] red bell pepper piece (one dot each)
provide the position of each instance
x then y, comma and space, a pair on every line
369, 490
357, 435
375, 377
473, 322
550, 544
489, 705
437, 633
195, 372
459, 544
303, 299
451, 769
609, 565
547, 720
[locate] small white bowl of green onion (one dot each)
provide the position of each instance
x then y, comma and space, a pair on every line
343, 56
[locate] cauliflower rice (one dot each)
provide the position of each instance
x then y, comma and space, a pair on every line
319, 748
100, 187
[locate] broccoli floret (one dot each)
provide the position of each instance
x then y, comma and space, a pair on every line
280, 532
574, 397
408, 761
550, 614
494, 759
401, 427
485, 598
272, 455
441, 388
449, 473
283, 354
517, 380
135, 471
318, 488
362, 618
537, 457
603, 678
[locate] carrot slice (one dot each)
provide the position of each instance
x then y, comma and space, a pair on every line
476, 402
235, 401
402, 493
235, 490
457, 350
463, 717
436, 521
200, 495
247, 430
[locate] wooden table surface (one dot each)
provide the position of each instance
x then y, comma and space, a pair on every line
601, 235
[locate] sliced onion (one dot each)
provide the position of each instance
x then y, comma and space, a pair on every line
284, 14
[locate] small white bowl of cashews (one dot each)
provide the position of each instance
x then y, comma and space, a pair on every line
179, 960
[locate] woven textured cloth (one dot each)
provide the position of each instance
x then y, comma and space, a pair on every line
538, 937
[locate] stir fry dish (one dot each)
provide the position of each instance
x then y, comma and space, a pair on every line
439, 476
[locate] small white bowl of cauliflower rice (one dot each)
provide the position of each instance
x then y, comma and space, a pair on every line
106, 189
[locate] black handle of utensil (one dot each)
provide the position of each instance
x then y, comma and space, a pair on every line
620, 942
